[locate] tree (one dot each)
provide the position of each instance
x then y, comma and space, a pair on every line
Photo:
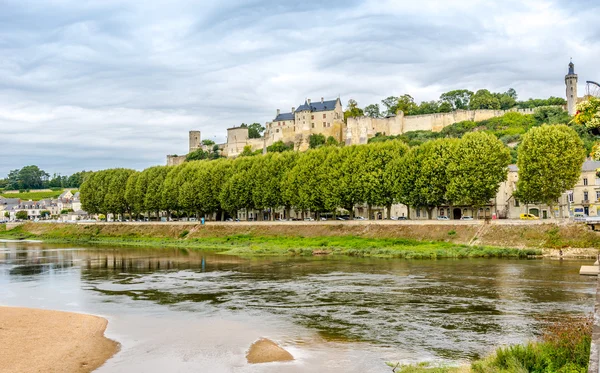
551, 115
315, 140
458, 99
28, 177
406, 104
21, 215
372, 111
247, 152
391, 105
6, 214
380, 189
280, 147
549, 160
331, 141
420, 178
267, 173
236, 193
352, 110
483, 99
480, 165
255, 131
208, 142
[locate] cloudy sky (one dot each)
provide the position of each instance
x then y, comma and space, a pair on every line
112, 83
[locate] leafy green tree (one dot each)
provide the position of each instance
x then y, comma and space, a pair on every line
255, 130
483, 99
549, 161
115, 191
153, 198
420, 178
306, 185
131, 195
480, 165
267, 173
197, 155
280, 147
391, 105
6, 214
28, 177
21, 215
352, 110
76, 179
379, 190
551, 115
372, 111
331, 141
171, 188
315, 140
215, 175
236, 193
208, 142
458, 99
407, 105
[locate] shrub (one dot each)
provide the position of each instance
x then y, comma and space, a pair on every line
184, 234
21, 215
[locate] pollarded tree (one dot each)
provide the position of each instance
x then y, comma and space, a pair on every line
267, 172
153, 198
130, 194
304, 186
480, 165
420, 178
549, 161
348, 177
115, 197
236, 193
380, 189
218, 173
170, 189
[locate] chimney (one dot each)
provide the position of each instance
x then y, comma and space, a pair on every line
293, 109
278, 112
322, 100
308, 101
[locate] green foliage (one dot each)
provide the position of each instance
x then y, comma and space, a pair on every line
484, 99
352, 110
457, 99
65, 211
549, 161
533, 103
563, 348
280, 147
21, 215
200, 154
32, 177
6, 214
255, 130
479, 165
34, 196
247, 152
588, 113
184, 233
372, 111
315, 140
208, 142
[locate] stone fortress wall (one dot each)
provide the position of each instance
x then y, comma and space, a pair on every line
357, 131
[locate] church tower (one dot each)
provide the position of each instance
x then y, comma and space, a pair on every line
571, 83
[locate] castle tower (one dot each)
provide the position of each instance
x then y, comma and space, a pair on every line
194, 140
571, 83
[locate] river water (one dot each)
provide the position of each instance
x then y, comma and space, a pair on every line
176, 310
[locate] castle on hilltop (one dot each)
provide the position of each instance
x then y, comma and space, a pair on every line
326, 117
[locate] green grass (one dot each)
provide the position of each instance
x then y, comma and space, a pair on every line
251, 245
35, 196
563, 348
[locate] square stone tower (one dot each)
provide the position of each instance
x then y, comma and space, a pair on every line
194, 141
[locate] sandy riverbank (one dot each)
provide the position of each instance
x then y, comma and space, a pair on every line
35, 340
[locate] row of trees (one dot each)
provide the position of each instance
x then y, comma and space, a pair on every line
462, 172
461, 99
32, 177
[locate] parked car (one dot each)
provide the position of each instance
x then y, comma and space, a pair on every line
466, 218
402, 218
309, 219
528, 217
359, 218
323, 219
341, 218
443, 218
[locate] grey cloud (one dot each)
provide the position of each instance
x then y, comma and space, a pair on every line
106, 83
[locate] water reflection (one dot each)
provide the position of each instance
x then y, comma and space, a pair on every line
453, 309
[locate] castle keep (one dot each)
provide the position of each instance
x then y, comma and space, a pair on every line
326, 117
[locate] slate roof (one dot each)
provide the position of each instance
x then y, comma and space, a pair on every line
284, 116
318, 106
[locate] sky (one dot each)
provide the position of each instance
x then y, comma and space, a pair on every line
102, 84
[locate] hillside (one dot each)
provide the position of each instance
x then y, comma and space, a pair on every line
509, 128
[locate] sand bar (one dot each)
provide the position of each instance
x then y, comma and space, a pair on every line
36, 340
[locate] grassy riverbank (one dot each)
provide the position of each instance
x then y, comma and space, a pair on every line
564, 347
258, 243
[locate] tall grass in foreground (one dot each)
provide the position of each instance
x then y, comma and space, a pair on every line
564, 347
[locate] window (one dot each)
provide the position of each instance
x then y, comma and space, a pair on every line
571, 197
312, 117
324, 124
442, 212
277, 130
585, 181
516, 203
585, 196
598, 195
313, 125
418, 213
324, 116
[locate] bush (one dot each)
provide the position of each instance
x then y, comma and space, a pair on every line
563, 348
184, 234
21, 215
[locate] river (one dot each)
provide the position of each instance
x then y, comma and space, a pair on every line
190, 311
